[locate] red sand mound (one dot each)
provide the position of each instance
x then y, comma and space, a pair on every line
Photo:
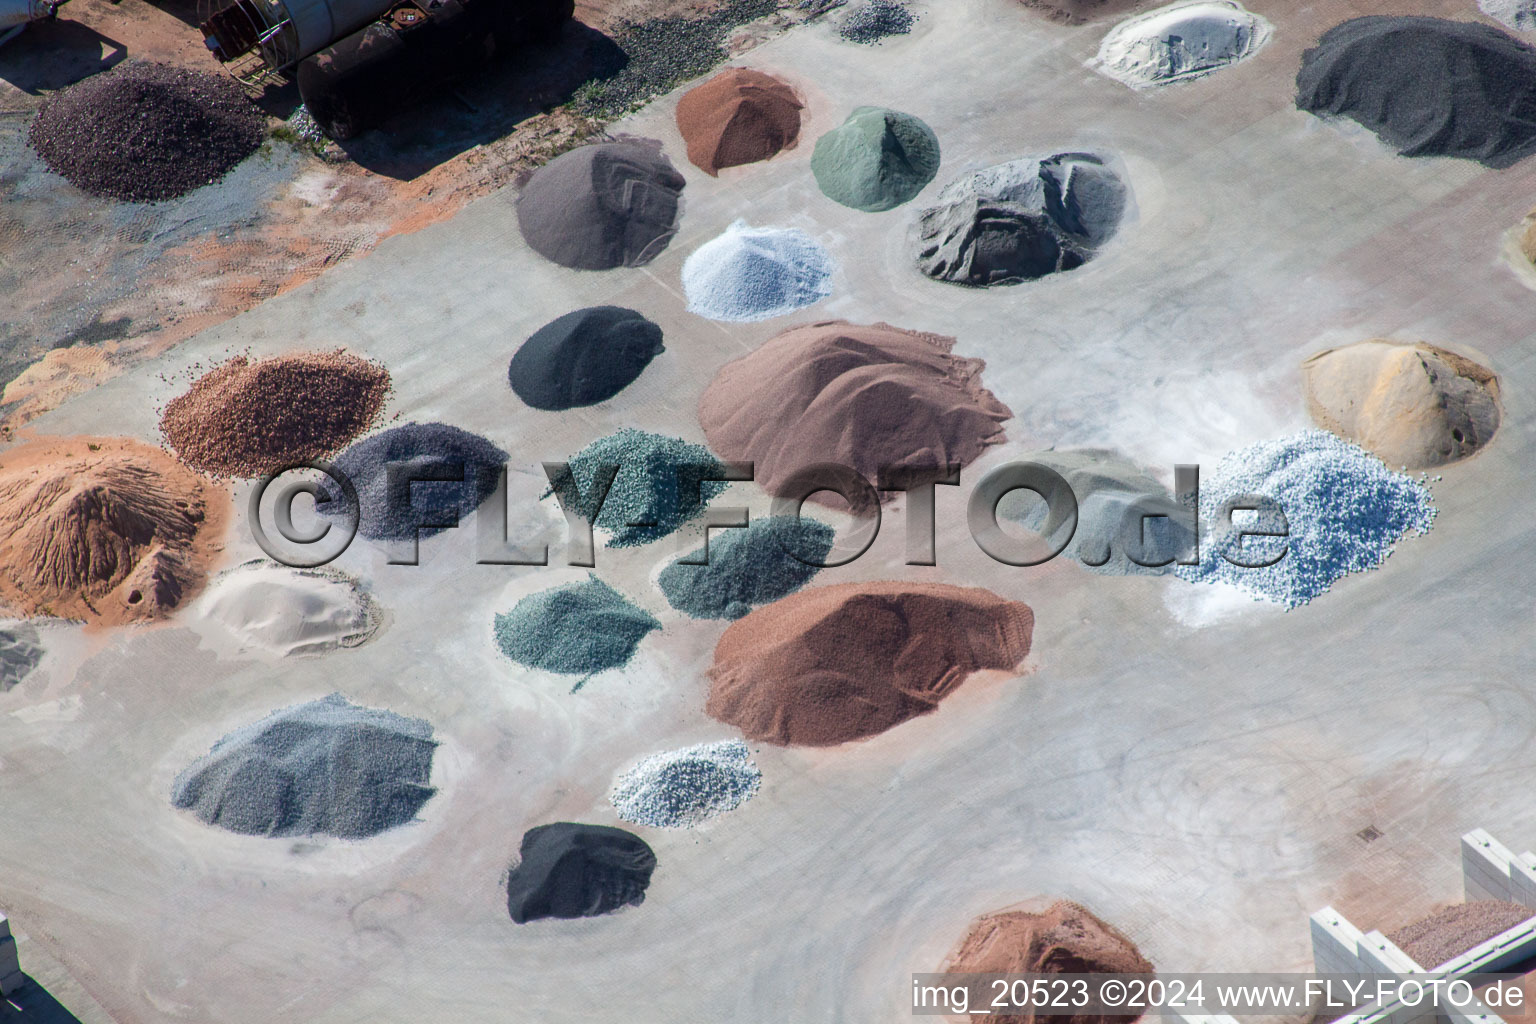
738, 117
103, 529
865, 397
842, 663
246, 418
1065, 939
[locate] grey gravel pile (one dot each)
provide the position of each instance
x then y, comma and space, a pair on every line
1344, 508
419, 445
327, 767
683, 788
577, 629
20, 653
663, 53
876, 20
1113, 497
769, 559
145, 132
643, 504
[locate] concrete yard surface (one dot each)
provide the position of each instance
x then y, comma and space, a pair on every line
1194, 771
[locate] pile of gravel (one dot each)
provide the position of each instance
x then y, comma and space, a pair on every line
1448, 933
643, 504
875, 20
584, 357
749, 274
246, 418
576, 630
566, 870
663, 53
422, 445
305, 128
876, 160
144, 132
767, 560
20, 653
1345, 511
683, 788
327, 767
1020, 221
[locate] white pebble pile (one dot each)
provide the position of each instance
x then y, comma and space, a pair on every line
683, 788
750, 274
1519, 15
1179, 42
1345, 510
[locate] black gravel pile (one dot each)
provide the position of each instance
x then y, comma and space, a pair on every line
20, 653
877, 20
613, 204
663, 53
144, 132
568, 870
420, 446
327, 767
1427, 86
583, 357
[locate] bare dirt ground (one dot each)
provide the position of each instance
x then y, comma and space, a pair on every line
95, 285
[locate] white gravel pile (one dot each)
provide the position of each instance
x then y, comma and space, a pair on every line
1179, 42
1519, 15
1345, 511
686, 787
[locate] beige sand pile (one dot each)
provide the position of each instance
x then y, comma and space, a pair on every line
103, 529
842, 663
1065, 939
272, 609
1412, 404
1446, 934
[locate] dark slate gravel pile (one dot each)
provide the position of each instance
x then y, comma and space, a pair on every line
145, 132
568, 870
877, 20
663, 53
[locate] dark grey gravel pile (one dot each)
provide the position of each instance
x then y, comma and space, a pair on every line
569, 870
747, 567
327, 767
420, 445
19, 654
583, 357
145, 132
663, 53
876, 20
1427, 86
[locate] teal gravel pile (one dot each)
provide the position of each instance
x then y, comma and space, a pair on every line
748, 567
876, 160
643, 504
576, 630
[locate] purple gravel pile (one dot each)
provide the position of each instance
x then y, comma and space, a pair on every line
144, 132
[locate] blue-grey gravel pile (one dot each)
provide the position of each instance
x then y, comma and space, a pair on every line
682, 788
876, 20
1345, 510
328, 767
644, 503
19, 654
772, 557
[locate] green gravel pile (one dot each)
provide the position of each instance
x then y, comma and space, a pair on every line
643, 504
876, 160
576, 630
748, 567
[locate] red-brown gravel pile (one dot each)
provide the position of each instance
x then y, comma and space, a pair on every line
842, 663
1446, 934
740, 116
247, 418
1065, 939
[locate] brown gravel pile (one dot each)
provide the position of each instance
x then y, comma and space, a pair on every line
103, 529
842, 663
144, 132
1065, 939
247, 418
1446, 934
740, 116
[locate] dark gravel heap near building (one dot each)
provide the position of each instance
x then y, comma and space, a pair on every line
327, 767
568, 870
366, 464
144, 132
246, 418
1427, 86
583, 358
663, 53
876, 20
